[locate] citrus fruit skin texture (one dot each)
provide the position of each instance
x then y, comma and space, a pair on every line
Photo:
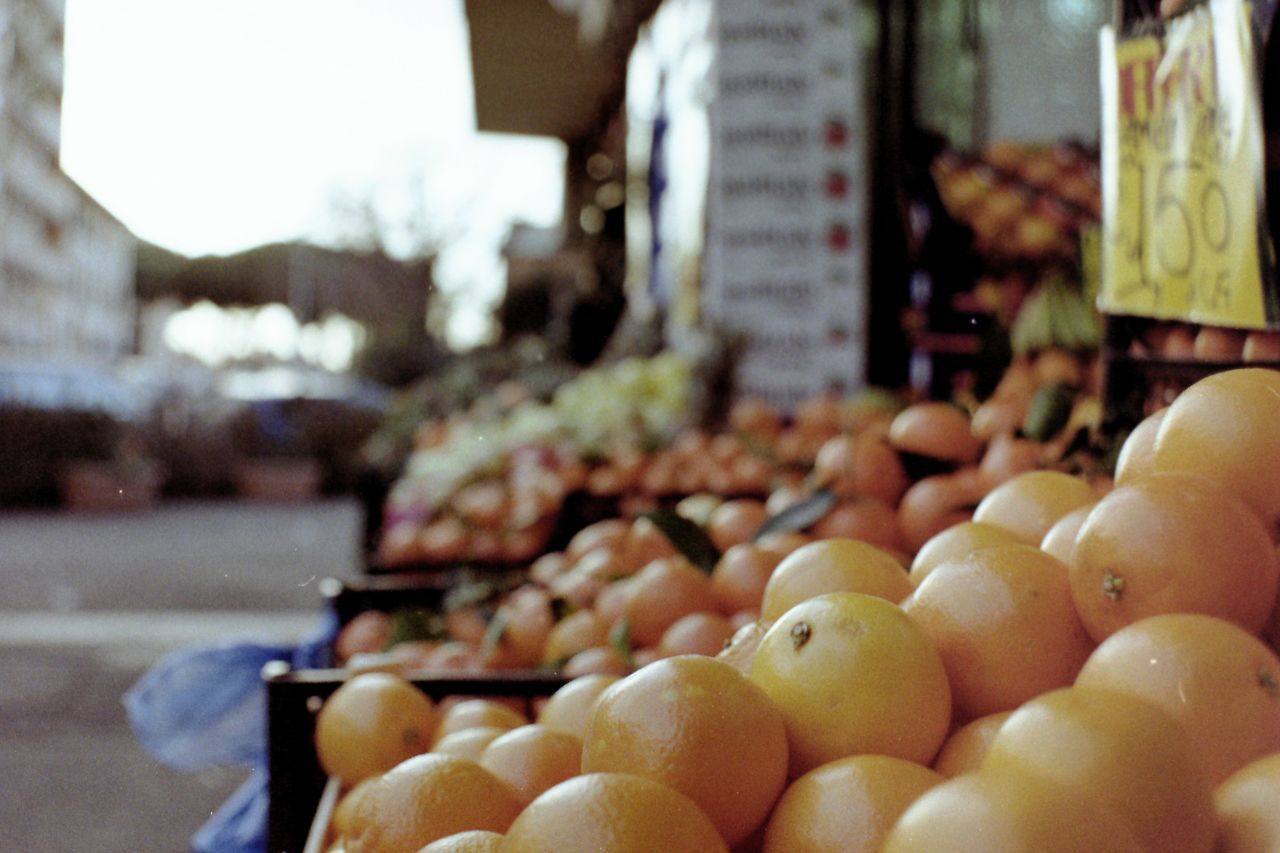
1171, 543
1123, 750
852, 674
567, 709
1137, 454
469, 742
967, 746
935, 429
370, 724
1008, 812
833, 565
846, 806
1224, 426
426, 798
1246, 804
698, 725
472, 841
955, 543
1220, 682
1060, 541
1029, 504
616, 812
1005, 625
532, 758
471, 713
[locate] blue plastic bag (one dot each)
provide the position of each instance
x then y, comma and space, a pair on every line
205, 706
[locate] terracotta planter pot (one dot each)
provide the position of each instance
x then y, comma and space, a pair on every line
97, 486
279, 480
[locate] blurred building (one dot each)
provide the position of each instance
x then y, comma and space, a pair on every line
66, 265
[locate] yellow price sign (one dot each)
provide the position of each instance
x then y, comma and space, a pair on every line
1182, 163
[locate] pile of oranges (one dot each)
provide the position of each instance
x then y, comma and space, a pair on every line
1063, 668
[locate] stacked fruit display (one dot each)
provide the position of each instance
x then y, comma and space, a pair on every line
490, 488
1023, 203
889, 478
1070, 668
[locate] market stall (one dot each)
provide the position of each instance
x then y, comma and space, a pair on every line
1030, 589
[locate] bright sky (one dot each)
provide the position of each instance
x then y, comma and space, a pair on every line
211, 126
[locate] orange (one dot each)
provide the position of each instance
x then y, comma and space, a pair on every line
735, 521
582, 629
696, 634
955, 543
468, 713
611, 601
698, 725
1137, 453
1124, 750
1220, 682
567, 709
784, 542
525, 620
740, 575
1005, 625
853, 674
469, 742
846, 806
597, 660
1060, 541
429, 797
1224, 426
344, 813
1215, 343
370, 724
742, 646
1170, 543
860, 466
1248, 819
644, 543
937, 430
965, 747
609, 534
661, 593
471, 841
1007, 457
935, 503
617, 812
833, 565
1029, 504
1261, 345
865, 519
532, 758
368, 631
1009, 812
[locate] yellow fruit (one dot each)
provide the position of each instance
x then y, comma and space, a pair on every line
615, 812
852, 674
1029, 504
955, 543
698, 725
833, 565
370, 724
1246, 805
846, 806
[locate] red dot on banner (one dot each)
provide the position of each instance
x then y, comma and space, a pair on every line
838, 238
837, 185
836, 133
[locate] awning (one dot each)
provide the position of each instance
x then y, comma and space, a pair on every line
539, 70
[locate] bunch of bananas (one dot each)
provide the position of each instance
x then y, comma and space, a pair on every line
1055, 315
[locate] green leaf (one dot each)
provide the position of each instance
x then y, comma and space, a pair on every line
493, 634
1049, 412
620, 640
413, 624
800, 516
687, 537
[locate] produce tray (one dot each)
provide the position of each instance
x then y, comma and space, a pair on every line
1133, 386
296, 785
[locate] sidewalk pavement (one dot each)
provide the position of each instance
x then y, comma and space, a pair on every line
88, 602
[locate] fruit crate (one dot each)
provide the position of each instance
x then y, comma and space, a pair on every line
300, 796
1147, 363
580, 509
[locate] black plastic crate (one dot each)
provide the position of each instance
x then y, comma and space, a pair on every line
296, 782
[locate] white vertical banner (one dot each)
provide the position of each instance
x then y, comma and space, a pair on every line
787, 208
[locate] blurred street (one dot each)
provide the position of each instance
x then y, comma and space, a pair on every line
89, 602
